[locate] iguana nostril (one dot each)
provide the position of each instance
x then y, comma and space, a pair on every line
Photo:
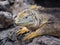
20, 28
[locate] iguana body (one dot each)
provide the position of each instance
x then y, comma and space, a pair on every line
40, 23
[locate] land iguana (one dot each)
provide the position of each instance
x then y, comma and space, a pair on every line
38, 23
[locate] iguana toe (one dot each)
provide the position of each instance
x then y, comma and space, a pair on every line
31, 36
22, 31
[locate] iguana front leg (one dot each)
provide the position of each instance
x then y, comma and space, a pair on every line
32, 35
37, 33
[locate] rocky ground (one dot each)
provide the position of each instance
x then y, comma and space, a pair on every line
8, 29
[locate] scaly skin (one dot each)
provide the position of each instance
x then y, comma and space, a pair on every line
43, 23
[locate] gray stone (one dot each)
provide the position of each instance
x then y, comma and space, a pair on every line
6, 19
4, 5
9, 33
17, 42
8, 43
3, 35
11, 1
49, 40
12, 36
45, 40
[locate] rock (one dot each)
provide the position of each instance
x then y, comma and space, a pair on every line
8, 43
3, 41
11, 2
8, 36
9, 33
19, 5
29, 1
17, 42
49, 40
45, 40
3, 35
12, 36
33, 44
6, 19
4, 5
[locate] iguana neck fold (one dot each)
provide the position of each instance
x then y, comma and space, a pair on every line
36, 19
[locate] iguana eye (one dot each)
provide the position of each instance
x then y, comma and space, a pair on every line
26, 17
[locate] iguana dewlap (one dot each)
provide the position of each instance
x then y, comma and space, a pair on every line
42, 23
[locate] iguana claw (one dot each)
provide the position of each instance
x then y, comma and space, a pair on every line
22, 31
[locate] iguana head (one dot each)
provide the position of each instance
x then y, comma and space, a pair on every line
26, 18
